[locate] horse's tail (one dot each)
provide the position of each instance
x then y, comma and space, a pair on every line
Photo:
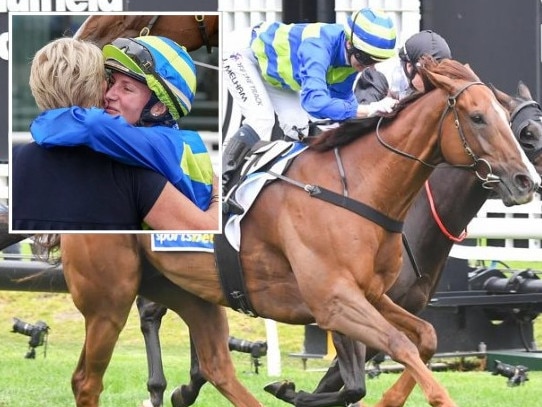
49, 248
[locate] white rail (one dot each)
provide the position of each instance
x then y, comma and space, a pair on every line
522, 222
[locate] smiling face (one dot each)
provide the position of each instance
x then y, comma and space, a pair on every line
126, 97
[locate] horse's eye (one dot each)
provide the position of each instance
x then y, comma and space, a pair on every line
477, 118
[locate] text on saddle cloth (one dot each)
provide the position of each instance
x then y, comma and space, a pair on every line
182, 242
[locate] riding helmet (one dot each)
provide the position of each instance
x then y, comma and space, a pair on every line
373, 32
424, 42
162, 64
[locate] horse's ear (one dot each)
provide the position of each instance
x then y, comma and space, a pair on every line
503, 98
467, 66
523, 91
426, 65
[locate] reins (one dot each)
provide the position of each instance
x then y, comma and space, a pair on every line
438, 220
488, 180
519, 119
200, 19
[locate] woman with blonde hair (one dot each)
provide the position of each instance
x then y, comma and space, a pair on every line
78, 189
59, 79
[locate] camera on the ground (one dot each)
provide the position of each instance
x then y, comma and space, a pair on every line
516, 374
256, 349
37, 332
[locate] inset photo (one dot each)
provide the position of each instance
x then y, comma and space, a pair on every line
114, 123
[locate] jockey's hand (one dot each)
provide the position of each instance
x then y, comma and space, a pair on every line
381, 108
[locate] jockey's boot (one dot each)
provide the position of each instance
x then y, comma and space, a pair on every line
234, 154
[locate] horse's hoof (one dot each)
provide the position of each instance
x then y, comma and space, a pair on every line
284, 390
183, 397
147, 403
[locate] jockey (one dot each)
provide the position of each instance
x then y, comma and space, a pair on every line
152, 82
380, 87
299, 71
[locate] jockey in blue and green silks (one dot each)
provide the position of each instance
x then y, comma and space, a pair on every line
157, 142
286, 75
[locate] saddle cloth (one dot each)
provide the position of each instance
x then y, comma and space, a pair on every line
245, 194
182, 242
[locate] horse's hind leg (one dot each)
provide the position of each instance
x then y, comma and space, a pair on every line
104, 294
150, 318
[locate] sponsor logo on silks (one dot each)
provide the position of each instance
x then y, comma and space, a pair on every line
187, 242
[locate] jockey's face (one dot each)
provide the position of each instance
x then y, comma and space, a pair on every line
126, 97
417, 81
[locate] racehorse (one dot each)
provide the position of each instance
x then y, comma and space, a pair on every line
455, 195
191, 31
436, 220
336, 278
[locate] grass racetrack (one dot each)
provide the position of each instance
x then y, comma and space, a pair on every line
46, 381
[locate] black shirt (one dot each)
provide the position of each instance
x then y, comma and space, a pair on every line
75, 188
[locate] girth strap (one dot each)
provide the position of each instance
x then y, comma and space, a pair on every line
231, 276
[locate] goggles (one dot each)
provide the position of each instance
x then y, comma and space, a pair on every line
137, 52
362, 57
138, 60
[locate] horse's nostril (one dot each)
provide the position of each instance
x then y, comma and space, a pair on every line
525, 183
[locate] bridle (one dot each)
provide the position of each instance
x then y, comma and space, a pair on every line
519, 119
200, 19
489, 180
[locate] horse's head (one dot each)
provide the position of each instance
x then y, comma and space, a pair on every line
191, 31
525, 120
103, 29
474, 131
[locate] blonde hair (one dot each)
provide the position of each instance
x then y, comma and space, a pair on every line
68, 72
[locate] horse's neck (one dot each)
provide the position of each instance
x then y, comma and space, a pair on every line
392, 179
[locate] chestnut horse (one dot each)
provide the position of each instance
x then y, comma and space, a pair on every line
456, 197
306, 260
191, 31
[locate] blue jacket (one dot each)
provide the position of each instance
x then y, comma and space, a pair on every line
179, 155
310, 58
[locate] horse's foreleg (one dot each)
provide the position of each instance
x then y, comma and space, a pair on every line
423, 335
356, 312
209, 330
150, 318
186, 395
347, 369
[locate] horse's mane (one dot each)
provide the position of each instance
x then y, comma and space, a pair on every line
355, 128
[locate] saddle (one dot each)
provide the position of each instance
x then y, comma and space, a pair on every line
258, 159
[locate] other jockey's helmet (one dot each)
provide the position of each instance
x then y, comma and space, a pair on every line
162, 64
371, 32
424, 42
